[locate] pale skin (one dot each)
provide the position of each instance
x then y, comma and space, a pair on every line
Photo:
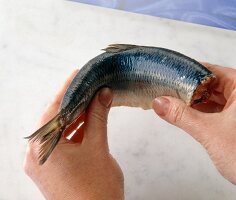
83, 168
213, 124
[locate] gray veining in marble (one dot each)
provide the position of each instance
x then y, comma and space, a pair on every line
41, 42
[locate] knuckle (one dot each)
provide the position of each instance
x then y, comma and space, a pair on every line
99, 117
234, 93
176, 113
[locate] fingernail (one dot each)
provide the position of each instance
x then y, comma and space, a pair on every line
105, 97
161, 105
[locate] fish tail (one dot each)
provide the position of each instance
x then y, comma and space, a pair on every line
48, 136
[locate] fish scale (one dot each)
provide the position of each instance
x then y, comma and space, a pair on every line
136, 75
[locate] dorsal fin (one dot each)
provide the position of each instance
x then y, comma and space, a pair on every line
115, 48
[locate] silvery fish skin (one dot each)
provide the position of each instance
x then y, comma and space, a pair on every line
136, 75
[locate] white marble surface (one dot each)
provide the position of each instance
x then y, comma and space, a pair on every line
41, 42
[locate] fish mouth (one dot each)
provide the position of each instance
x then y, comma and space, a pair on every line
203, 91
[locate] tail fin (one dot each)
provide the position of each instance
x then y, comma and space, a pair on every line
48, 137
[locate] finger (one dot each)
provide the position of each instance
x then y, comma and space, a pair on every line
231, 103
96, 117
73, 126
179, 114
219, 71
225, 78
218, 98
53, 107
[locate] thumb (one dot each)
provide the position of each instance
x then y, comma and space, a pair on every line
176, 112
96, 116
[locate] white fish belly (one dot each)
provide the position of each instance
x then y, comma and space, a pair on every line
136, 98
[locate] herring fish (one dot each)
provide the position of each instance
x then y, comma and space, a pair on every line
136, 74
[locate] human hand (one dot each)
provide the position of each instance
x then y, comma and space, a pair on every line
82, 167
213, 124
